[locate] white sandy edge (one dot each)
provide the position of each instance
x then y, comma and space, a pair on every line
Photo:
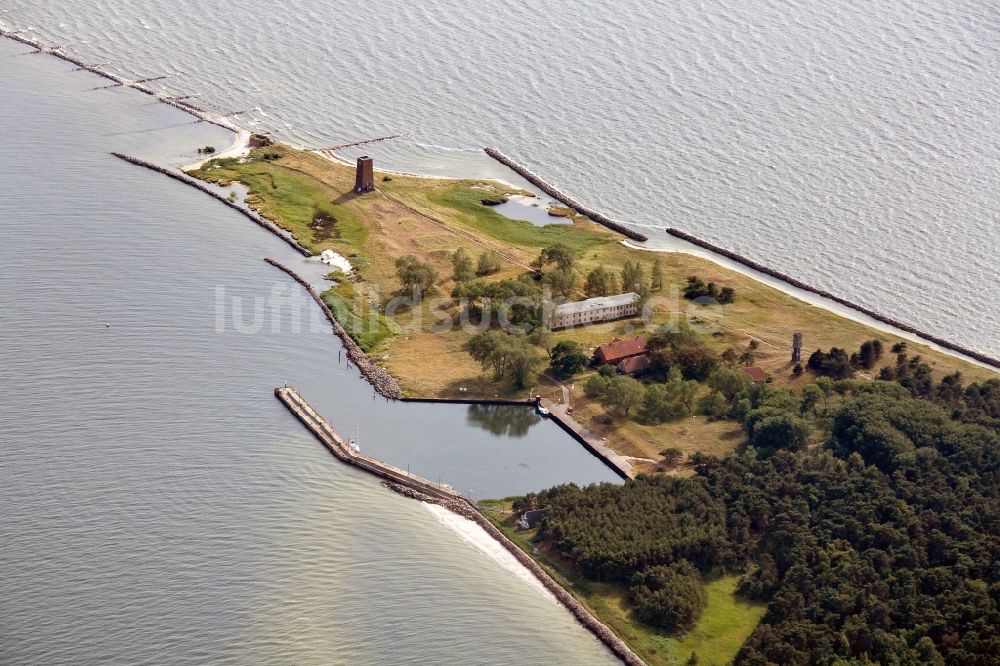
684, 247
239, 147
474, 535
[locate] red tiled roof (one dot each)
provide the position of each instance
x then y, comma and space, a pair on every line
755, 374
634, 365
616, 350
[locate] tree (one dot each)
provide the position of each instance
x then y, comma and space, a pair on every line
541, 336
836, 363
811, 397
504, 354
598, 282
489, 262
869, 353
669, 400
417, 277
622, 393
461, 264
671, 456
730, 357
780, 431
596, 386
562, 281
680, 347
557, 254
749, 355
657, 275
522, 358
490, 349
730, 383
568, 358
671, 597
696, 288
632, 275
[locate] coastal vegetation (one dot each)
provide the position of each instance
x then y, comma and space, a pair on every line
880, 542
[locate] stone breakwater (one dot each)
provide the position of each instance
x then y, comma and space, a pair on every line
529, 176
416, 487
196, 111
383, 383
360, 143
468, 509
197, 184
750, 263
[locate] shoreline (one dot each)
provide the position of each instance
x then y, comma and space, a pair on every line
816, 297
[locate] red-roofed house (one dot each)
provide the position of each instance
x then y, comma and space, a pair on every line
636, 365
755, 374
618, 350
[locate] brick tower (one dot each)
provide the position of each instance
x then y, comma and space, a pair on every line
796, 348
364, 179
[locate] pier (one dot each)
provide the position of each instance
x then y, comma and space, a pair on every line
419, 488
329, 437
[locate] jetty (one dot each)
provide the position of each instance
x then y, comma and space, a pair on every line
329, 437
795, 282
416, 487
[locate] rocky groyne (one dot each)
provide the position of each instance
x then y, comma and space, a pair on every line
361, 143
197, 184
383, 383
199, 113
599, 218
895, 323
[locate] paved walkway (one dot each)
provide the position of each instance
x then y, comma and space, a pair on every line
560, 413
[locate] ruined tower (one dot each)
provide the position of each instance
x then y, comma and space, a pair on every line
796, 347
364, 179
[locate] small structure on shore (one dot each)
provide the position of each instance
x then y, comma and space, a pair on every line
592, 310
364, 177
530, 519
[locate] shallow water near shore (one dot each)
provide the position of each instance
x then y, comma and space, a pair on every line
850, 144
159, 505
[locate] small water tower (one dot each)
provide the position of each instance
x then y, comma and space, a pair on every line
796, 347
364, 179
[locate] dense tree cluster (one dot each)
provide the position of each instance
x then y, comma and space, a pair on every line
567, 358
680, 347
416, 276
883, 545
697, 288
516, 301
504, 354
837, 363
